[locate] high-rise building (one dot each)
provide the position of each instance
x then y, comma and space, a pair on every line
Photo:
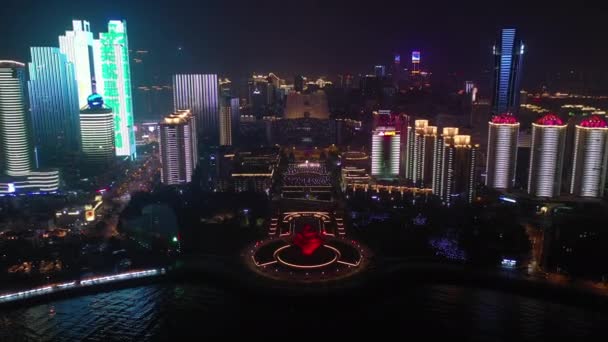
422, 140
386, 149
380, 71
590, 157
16, 146
225, 122
446, 138
546, 156
178, 147
235, 117
199, 93
458, 176
113, 82
97, 132
77, 45
415, 63
508, 55
503, 131
53, 97
16, 152
298, 83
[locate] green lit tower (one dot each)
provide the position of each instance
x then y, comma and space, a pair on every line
113, 82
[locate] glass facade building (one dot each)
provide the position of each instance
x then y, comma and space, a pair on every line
113, 82
199, 93
508, 54
77, 45
53, 98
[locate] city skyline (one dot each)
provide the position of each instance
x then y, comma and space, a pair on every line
553, 48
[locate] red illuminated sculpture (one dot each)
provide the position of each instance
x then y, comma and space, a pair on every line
308, 240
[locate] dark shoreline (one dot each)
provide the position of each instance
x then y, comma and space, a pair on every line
382, 281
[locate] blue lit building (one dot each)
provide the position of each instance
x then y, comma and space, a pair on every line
53, 94
18, 176
508, 55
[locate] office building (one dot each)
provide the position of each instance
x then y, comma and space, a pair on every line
298, 83
422, 140
225, 125
458, 176
97, 132
199, 93
386, 150
503, 131
415, 63
446, 138
508, 54
380, 71
54, 107
113, 82
235, 118
590, 157
77, 45
16, 144
178, 147
18, 175
546, 156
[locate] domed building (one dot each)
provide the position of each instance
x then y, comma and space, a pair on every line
97, 132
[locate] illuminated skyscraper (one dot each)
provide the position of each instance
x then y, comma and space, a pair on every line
225, 122
97, 132
178, 147
199, 93
16, 151
439, 158
415, 63
77, 45
54, 106
458, 177
380, 70
420, 161
16, 144
508, 55
590, 157
113, 82
235, 117
546, 156
386, 149
503, 130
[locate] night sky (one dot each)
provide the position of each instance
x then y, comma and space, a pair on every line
235, 38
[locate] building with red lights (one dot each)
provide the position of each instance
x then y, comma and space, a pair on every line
503, 130
546, 156
590, 157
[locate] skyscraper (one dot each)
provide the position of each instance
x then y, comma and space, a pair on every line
225, 122
97, 132
235, 117
16, 152
298, 83
113, 82
77, 45
199, 93
178, 147
420, 162
380, 71
386, 150
54, 106
503, 130
508, 55
590, 157
415, 63
439, 150
458, 177
16, 144
546, 156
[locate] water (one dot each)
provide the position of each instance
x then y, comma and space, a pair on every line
178, 311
